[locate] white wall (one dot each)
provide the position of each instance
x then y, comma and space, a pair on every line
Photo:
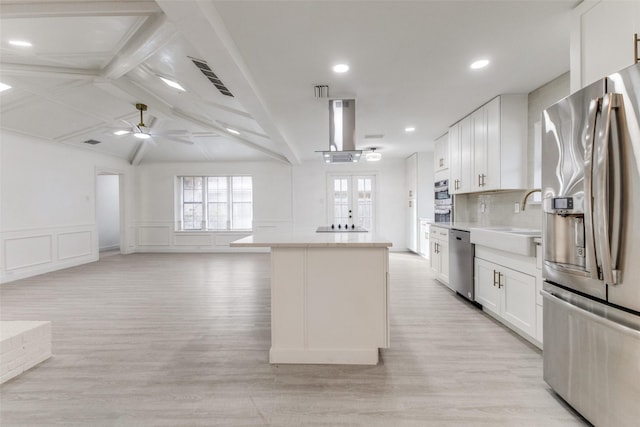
425, 185
284, 197
156, 222
108, 211
310, 193
47, 204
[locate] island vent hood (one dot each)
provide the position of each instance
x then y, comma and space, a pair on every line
342, 132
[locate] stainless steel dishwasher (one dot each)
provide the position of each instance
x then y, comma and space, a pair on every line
461, 253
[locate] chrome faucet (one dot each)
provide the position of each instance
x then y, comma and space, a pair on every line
523, 204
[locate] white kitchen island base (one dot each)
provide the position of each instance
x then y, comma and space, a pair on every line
329, 298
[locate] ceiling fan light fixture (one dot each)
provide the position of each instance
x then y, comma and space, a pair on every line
141, 135
173, 84
373, 156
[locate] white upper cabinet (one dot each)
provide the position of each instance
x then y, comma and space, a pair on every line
441, 153
488, 148
480, 171
460, 146
602, 39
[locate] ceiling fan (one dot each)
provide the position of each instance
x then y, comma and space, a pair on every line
144, 132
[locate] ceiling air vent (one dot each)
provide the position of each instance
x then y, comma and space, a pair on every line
209, 74
92, 141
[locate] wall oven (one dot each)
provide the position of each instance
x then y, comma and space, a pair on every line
443, 211
442, 195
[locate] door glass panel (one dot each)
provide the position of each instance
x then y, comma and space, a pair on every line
364, 202
340, 201
351, 200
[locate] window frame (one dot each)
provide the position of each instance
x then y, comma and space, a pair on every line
205, 223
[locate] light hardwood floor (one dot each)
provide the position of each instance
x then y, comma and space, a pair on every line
183, 339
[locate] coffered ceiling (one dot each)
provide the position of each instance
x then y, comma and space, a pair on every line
92, 61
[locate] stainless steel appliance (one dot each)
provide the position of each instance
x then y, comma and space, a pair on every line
591, 247
461, 253
443, 211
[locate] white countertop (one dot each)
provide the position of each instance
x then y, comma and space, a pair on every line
306, 239
466, 226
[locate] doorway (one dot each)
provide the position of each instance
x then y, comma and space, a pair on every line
351, 200
108, 213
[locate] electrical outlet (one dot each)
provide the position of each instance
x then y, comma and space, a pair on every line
483, 207
516, 208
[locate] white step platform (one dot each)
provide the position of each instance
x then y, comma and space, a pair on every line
23, 344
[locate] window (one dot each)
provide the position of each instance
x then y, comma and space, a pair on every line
216, 202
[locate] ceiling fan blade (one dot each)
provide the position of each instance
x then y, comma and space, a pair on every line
171, 132
178, 139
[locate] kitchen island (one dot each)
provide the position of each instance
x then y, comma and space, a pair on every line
329, 296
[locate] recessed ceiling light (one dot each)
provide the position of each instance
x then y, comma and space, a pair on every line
409, 129
121, 132
4, 87
341, 68
481, 63
20, 43
233, 131
173, 84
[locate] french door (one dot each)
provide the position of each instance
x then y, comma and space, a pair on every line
351, 200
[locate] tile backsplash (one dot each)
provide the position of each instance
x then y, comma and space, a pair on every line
497, 208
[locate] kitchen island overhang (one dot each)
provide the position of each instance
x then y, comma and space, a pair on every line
329, 296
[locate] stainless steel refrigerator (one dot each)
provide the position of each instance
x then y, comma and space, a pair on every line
591, 247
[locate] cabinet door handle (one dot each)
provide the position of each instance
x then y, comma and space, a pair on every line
494, 278
500, 276
483, 177
441, 162
479, 180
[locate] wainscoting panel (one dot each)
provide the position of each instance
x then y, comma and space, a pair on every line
74, 245
225, 239
154, 235
27, 251
192, 239
31, 252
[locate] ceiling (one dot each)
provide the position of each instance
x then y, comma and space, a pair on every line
92, 61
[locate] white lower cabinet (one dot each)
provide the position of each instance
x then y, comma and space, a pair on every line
423, 240
508, 294
439, 258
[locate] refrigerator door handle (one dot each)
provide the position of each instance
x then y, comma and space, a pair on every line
590, 250
607, 188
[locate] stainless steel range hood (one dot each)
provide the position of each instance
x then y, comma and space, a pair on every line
342, 132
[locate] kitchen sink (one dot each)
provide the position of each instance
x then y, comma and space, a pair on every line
510, 239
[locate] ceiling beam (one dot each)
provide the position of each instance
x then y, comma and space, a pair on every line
200, 23
155, 33
48, 71
220, 130
59, 9
139, 152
